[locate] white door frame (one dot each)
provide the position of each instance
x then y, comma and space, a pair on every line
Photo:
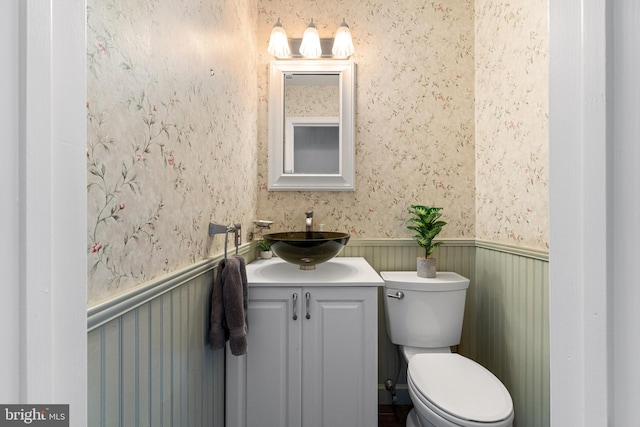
594, 203
578, 194
43, 303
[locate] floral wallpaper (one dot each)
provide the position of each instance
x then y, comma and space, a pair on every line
451, 111
172, 119
414, 115
312, 101
512, 144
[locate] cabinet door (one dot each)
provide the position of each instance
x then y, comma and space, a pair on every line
340, 357
264, 386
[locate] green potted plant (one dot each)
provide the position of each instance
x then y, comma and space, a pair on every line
426, 225
265, 249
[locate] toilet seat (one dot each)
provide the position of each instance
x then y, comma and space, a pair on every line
459, 390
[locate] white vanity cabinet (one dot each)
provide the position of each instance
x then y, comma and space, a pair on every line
312, 357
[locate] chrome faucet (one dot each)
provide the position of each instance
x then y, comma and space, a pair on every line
309, 221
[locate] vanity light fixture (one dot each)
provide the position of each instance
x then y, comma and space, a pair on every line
342, 44
278, 42
310, 46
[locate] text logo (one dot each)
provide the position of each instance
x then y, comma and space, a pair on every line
34, 415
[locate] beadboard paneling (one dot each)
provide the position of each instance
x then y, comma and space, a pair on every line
149, 363
508, 328
400, 255
506, 325
152, 366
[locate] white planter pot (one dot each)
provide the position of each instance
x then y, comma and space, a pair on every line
266, 254
426, 267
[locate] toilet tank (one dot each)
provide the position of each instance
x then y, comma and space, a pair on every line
422, 312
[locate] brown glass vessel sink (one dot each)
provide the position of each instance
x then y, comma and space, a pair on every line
307, 248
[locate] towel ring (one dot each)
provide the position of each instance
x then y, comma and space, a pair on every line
226, 229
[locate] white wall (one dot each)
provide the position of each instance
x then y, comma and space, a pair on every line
595, 200
43, 182
625, 133
578, 196
9, 214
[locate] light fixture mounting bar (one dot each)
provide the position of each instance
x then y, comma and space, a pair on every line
325, 43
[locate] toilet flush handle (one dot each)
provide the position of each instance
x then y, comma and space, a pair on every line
397, 295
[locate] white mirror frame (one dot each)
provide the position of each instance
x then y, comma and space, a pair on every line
345, 179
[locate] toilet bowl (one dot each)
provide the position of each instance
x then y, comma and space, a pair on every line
451, 390
424, 317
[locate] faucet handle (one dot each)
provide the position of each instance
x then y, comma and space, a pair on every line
309, 213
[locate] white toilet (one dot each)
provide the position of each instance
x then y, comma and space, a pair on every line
424, 317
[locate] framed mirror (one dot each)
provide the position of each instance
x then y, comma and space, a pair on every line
311, 125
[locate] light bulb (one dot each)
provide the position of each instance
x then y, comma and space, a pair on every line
278, 42
342, 44
310, 46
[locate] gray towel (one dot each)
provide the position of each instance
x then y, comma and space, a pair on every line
218, 332
229, 306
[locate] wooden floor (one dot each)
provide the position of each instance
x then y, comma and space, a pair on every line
393, 415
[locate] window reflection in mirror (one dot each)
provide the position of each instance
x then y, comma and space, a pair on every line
312, 124
312, 145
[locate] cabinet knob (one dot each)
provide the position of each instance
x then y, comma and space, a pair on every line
308, 297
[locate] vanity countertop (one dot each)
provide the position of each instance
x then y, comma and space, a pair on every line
347, 271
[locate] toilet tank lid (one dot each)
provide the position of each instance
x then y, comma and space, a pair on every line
460, 387
409, 280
